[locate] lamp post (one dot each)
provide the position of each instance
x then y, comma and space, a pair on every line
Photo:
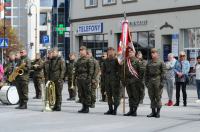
36, 23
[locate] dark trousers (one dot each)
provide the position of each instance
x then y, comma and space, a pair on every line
37, 83
22, 89
178, 87
198, 88
58, 90
71, 90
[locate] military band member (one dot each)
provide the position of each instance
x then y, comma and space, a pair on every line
56, 72
46, 66
102, 82
70, 73
154, 76
9, 67
111, 68
38, 75
143, 64
131, 81
95, 78
23, 79
84, 70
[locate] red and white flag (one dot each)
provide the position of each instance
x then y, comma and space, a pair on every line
124, 45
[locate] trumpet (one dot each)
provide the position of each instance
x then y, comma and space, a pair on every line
16, 72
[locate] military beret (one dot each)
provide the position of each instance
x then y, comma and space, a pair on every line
83, 48
154, 50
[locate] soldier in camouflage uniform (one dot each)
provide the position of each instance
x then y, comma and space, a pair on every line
46, 66
84, 70
155, 71
95, 78
70, 71
131, 81
38, 75
56, 73
23, 80
111, 68
102, 83
143, 64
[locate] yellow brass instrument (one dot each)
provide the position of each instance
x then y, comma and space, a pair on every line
49, 96
72, 84
16, 72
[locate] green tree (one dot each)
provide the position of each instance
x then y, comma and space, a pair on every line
11, 34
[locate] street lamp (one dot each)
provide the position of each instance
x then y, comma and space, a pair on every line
36, 23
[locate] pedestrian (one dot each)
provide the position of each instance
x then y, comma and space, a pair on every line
197, 69
182, 67
170, 77
154, 77
111, 68
1, 75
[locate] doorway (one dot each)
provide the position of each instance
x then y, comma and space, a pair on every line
167, 46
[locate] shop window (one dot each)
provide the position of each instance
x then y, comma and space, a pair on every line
191, 38
90, 3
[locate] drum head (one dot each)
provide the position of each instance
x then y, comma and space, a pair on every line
12, 95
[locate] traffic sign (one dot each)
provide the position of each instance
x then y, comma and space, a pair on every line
3, 43
45, 39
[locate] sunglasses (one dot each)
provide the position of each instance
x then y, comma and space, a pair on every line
182, 55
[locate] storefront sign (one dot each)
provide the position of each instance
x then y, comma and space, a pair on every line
139, 23
90, 28
175, 44
99, 53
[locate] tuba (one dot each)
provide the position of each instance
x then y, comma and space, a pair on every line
49, 96
16, 72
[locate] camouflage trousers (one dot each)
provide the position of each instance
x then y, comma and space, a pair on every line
71, 90
113, 91
84, 89
22, 89
38, 85
58, 90
133, 91
155, 93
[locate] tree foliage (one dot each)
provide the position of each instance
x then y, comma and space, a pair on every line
11, 34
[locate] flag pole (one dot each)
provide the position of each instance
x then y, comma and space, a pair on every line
124, 92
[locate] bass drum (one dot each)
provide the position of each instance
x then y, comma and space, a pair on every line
9, 95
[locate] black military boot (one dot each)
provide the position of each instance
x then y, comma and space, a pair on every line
86, 109
23, 106
153, 113
115, 110
20, 104
57, 108
110, 111
158, 113
83, 107
134, 111
130, 112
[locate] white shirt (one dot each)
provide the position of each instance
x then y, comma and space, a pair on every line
197, 68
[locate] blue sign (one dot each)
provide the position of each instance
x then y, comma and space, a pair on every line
3, 43
90, 28
45, 39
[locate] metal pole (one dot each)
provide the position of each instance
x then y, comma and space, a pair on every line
4, 28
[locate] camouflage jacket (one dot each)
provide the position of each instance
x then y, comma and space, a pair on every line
38, 70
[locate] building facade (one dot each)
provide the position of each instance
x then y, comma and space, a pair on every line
170, 26
60, 26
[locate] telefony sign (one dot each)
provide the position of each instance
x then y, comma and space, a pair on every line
90, 28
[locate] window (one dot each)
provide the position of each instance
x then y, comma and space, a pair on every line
90, 3
43, 19
127, 1
46, 3
109, 2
